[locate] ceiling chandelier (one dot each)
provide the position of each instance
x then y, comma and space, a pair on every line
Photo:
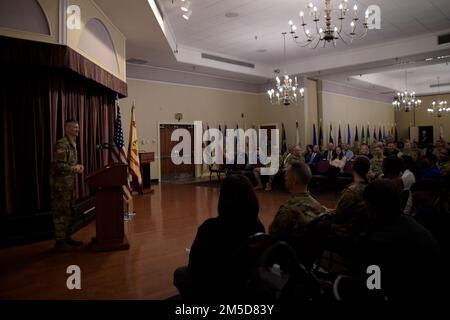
322, 29
406, 101
287, 91
440, 107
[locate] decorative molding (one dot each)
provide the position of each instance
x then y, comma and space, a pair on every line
164, 75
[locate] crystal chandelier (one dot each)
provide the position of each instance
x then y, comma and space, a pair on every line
287, 91
440, 107
322, 29
406, 101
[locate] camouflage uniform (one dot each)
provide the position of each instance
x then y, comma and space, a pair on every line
410, 153
349, 218
292, 157
445, 167
62, 185
293, 216
376, 165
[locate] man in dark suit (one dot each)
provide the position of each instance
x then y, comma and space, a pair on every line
314, 157
328, 154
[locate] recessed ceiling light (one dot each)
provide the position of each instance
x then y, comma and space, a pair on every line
185, 6
187, 15
231, 14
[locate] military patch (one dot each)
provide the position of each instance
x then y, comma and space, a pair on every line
60, 151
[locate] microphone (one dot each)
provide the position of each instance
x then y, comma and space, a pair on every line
104, 145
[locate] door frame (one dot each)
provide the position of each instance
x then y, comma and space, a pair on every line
158, 138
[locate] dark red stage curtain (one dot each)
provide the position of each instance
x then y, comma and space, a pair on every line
35, 100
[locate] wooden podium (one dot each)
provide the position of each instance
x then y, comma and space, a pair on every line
145, 159
107, 183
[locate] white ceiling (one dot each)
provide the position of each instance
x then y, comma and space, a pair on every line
260, 23
419, 79
409, 29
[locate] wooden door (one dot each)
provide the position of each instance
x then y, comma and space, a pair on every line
269, 135
169, 170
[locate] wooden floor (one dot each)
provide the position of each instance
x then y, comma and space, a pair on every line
165, 224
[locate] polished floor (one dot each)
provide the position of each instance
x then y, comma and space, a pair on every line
165, 225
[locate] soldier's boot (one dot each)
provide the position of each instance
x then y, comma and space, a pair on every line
62, 246
268, 186
72, 242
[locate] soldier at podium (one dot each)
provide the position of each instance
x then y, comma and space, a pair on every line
62, 185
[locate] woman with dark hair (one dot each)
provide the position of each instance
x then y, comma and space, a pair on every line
214, 265
308, 152
337, 164
349, 218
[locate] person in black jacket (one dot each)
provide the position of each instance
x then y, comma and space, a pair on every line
214, 262
407, 254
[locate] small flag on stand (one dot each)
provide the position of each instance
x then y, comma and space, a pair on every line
330, 135
314, 134
133, 153
349, 138
119, 155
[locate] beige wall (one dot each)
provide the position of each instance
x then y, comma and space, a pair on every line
158, 102
422, 118
343, 110
51, 12
90, 11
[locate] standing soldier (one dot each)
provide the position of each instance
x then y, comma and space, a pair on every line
62, 185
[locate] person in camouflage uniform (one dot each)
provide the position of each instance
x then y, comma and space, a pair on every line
444, 162
285, 161
62, 185
408, 151
292, 218
376, 163
349, 218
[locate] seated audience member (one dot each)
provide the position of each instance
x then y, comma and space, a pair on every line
292, 218
391, 150
337, 164
429, 150
408, 151
440, 144
294, 156
429, 168
376, 163
308, 152
444, 161
430, 204
215, 272
364, 151
349, 219
408, 178
392, 170
315, 158
407, 254
348, 154
328, 154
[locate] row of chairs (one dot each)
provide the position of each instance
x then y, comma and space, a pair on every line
320, 172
